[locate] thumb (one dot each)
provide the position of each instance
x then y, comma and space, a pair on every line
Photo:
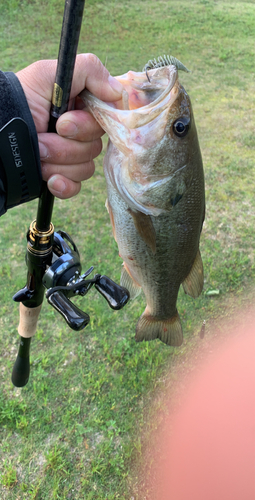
91, 74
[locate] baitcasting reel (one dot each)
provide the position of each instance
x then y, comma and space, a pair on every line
59, 271
63, 281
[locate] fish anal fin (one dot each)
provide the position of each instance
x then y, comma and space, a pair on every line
193, 283
110, 212
168, 331
127, 281
145, 228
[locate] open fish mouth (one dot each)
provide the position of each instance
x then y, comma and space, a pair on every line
143, 92
142, 100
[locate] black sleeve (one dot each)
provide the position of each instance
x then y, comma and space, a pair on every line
20, 170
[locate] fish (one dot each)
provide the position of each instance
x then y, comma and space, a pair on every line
155, 194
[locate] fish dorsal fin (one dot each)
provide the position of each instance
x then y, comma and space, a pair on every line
145, 228
193, 284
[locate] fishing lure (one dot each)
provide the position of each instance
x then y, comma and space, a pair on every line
164, 61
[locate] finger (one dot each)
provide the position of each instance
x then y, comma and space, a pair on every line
61, 151
76, 173
89, 72
62, 187
38, 80
79, 125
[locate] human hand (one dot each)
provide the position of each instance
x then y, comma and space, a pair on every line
67, 157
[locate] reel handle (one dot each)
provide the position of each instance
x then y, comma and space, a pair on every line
75, 317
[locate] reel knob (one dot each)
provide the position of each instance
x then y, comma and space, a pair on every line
75, 317
116, 295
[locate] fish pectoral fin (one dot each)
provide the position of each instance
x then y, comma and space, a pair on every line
145, 228
193, 284
127, 281
168, 331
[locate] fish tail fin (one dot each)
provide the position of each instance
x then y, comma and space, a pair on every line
127, 281
168, 331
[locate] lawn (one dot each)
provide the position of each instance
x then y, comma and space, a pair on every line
77, 430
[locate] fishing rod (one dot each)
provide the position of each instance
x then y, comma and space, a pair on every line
52, 258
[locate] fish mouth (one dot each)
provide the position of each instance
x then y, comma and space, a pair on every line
146, 90
142, 101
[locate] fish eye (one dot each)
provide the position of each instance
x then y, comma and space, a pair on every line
181, 127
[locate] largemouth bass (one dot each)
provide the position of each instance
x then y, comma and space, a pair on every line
156, 202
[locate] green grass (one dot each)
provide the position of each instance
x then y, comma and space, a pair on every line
75, 431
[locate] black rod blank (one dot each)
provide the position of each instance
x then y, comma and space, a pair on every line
61, 92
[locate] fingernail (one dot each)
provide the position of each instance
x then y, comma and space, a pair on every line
67, 129
56, 184
115, 84
43, 150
